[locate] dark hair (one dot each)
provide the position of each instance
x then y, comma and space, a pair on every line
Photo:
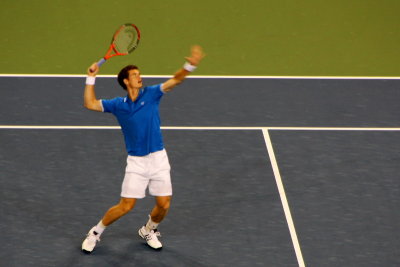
124, 74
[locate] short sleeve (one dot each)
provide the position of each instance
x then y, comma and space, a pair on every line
156, 91
109, 105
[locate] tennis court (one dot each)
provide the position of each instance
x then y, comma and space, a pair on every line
231, 158
284, 148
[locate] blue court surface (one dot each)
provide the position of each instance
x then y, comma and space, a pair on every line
266, 172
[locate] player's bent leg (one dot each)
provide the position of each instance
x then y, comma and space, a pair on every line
119, 210
113, 214
161, 208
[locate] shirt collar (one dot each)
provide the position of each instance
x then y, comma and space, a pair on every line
129, 100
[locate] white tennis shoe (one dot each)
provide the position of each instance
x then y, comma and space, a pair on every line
151, 237
90, 241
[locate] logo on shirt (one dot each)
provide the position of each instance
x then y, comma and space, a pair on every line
142, 103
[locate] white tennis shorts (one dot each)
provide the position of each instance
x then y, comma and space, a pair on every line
152, 171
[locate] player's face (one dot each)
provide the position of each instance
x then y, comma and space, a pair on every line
134, 80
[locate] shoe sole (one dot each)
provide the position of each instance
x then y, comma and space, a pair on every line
86, 251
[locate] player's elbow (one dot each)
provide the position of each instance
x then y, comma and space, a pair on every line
86, 104
91, 105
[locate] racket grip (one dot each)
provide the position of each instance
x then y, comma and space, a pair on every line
101, 62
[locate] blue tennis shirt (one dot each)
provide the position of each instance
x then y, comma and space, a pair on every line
139, 120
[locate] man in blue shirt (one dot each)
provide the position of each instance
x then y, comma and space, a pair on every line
147, 162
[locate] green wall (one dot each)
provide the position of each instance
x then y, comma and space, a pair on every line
254, 37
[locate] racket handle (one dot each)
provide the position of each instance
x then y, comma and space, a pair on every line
101, 62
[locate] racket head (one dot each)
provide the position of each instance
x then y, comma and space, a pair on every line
126, 39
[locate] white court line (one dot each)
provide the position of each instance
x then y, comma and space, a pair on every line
205, 128
284, 201
90, 127
209, 76
59, 127
334, 128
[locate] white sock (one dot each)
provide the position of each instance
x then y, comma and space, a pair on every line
150, 225
100, 227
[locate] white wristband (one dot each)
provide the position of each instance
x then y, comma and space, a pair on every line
189, 67
90, 80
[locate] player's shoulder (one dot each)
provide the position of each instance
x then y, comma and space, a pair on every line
118, 99
115, 101
155, 90
153, 87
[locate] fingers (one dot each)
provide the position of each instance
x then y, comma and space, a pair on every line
93, 69
196, 49
196, 56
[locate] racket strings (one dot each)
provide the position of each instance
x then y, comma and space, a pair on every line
126, 40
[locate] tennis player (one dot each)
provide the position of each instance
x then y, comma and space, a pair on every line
147, 161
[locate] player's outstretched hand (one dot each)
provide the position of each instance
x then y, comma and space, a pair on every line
93, 69
196, 56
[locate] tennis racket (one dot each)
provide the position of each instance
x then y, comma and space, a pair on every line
125, 40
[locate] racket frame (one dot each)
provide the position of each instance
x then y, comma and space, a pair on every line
112, 45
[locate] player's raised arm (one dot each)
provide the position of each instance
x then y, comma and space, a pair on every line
191, 64
89, 97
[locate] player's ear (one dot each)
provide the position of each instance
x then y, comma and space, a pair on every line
126, 82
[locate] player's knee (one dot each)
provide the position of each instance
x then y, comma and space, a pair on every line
126, 205
164, 204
